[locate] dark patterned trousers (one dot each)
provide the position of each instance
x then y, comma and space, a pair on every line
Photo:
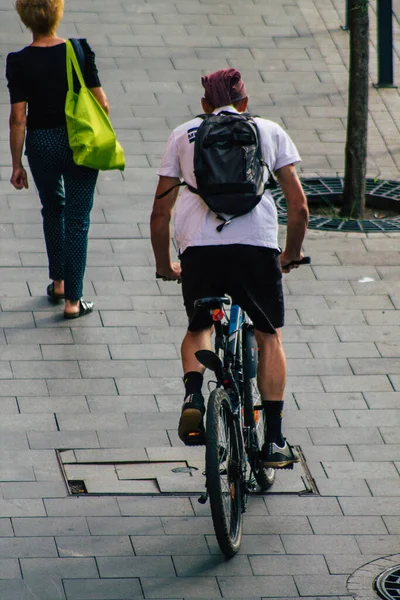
66, 192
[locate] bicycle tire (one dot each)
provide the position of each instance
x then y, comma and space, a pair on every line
254, 420
223, 472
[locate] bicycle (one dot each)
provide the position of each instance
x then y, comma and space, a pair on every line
234, 422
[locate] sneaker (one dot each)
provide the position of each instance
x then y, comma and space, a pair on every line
191, 428
275, 457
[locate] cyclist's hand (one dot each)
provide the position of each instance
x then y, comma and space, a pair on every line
173, 273
287, 262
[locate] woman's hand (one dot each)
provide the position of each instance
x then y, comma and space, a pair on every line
19, 178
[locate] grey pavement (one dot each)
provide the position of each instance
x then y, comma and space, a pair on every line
102, 395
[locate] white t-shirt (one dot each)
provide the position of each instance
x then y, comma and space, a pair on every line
194, 223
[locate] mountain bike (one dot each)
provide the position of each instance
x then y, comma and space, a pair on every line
234, 423
235, 420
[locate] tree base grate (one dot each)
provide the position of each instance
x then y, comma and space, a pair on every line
380, 194
387, 584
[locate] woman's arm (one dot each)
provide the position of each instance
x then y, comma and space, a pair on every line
101, 98
19, 178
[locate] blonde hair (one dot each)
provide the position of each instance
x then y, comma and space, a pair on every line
40, 16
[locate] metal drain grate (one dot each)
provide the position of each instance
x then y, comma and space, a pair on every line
387, 584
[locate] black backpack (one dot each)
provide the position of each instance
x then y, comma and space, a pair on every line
228, 165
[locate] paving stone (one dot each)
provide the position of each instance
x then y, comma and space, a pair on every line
320, 544
368, 333
193, 587
75, 546
62, 439
347, 525
369, 506
101, 335
378, 544
288, 565
75, 352
27, 547
321, 584
73, 404
125, 526
260, 585
331, 401
170, 545
343, 349
78, 387
130, 439
32, 489
102, 589
155, 506
384, 487
111, 455
80, 506
349, 435
360, 418
46, 589
135, 566
58, 567
50, 526
38, 336
116, 404
345, 487
357, 383
275, 524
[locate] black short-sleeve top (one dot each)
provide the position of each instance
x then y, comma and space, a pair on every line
37, 75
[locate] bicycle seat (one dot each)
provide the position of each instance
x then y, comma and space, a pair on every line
212, 302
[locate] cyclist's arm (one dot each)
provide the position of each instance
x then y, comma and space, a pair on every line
297, 213
160, 227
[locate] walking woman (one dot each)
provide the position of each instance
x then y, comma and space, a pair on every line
37, 82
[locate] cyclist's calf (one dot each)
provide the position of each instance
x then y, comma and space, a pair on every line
192, 342
271, 376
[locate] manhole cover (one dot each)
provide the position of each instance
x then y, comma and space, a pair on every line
388, 583
166, 471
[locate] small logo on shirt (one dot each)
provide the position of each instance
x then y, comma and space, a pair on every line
192, 134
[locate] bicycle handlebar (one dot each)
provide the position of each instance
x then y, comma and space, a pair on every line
306, 260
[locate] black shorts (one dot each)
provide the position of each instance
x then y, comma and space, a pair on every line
251, 275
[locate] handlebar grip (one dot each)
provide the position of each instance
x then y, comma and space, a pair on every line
306, 260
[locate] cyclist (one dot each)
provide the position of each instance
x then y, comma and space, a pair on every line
242, 260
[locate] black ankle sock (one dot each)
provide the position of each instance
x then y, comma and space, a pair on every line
193, 381
273, 411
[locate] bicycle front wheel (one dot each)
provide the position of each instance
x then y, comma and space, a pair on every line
224, 472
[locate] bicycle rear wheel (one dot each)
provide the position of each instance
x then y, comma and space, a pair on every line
254, 420
223, 471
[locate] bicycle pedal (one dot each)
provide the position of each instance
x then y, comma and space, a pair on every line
288, 467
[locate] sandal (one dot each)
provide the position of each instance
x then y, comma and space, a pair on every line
52, 296
84, 309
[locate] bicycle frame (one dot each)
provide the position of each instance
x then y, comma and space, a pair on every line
228, 347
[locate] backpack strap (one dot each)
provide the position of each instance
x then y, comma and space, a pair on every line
170, 190
272, 183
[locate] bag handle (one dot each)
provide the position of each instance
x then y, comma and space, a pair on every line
72, 61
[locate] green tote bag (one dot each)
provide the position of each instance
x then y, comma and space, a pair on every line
91, 136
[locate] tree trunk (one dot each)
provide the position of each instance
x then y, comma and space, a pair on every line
357, 114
